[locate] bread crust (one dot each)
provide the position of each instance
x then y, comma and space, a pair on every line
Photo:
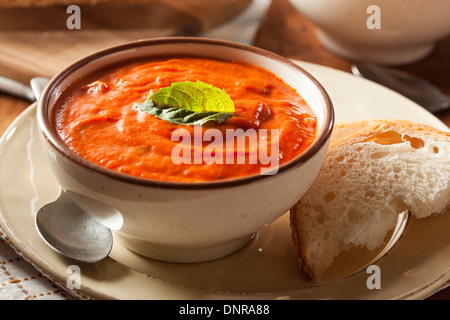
299, 246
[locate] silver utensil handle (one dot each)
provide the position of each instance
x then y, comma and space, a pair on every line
16, 89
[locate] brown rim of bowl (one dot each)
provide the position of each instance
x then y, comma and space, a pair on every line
54, 139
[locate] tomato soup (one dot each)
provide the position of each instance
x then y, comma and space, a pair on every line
99, 119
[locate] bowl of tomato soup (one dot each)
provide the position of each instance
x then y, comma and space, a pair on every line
185, 147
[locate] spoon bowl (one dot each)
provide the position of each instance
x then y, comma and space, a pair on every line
73, 233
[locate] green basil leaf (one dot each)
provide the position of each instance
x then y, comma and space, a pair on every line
183, 116
190, 103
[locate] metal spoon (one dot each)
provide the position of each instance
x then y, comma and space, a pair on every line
23, 91
16, 89
38, 85
70, 231
67, 228
412, 87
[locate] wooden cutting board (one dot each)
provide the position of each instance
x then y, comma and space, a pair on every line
37, 42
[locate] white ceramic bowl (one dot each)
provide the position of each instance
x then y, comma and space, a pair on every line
185, 222
409, 29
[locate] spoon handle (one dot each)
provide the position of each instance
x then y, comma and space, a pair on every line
418, 90
16, 89
445, 103
441, 103
38, 85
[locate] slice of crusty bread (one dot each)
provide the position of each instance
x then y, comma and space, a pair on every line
373, 171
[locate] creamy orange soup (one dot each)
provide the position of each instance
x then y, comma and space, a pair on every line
99, 119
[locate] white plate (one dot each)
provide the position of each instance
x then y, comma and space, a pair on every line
266, 268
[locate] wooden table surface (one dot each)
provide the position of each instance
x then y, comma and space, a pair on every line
286, 32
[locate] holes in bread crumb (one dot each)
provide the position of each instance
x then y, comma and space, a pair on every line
393, 137
379, 155
386, 138
416, 143
320, 218
369, 194
354, 216
330, 196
